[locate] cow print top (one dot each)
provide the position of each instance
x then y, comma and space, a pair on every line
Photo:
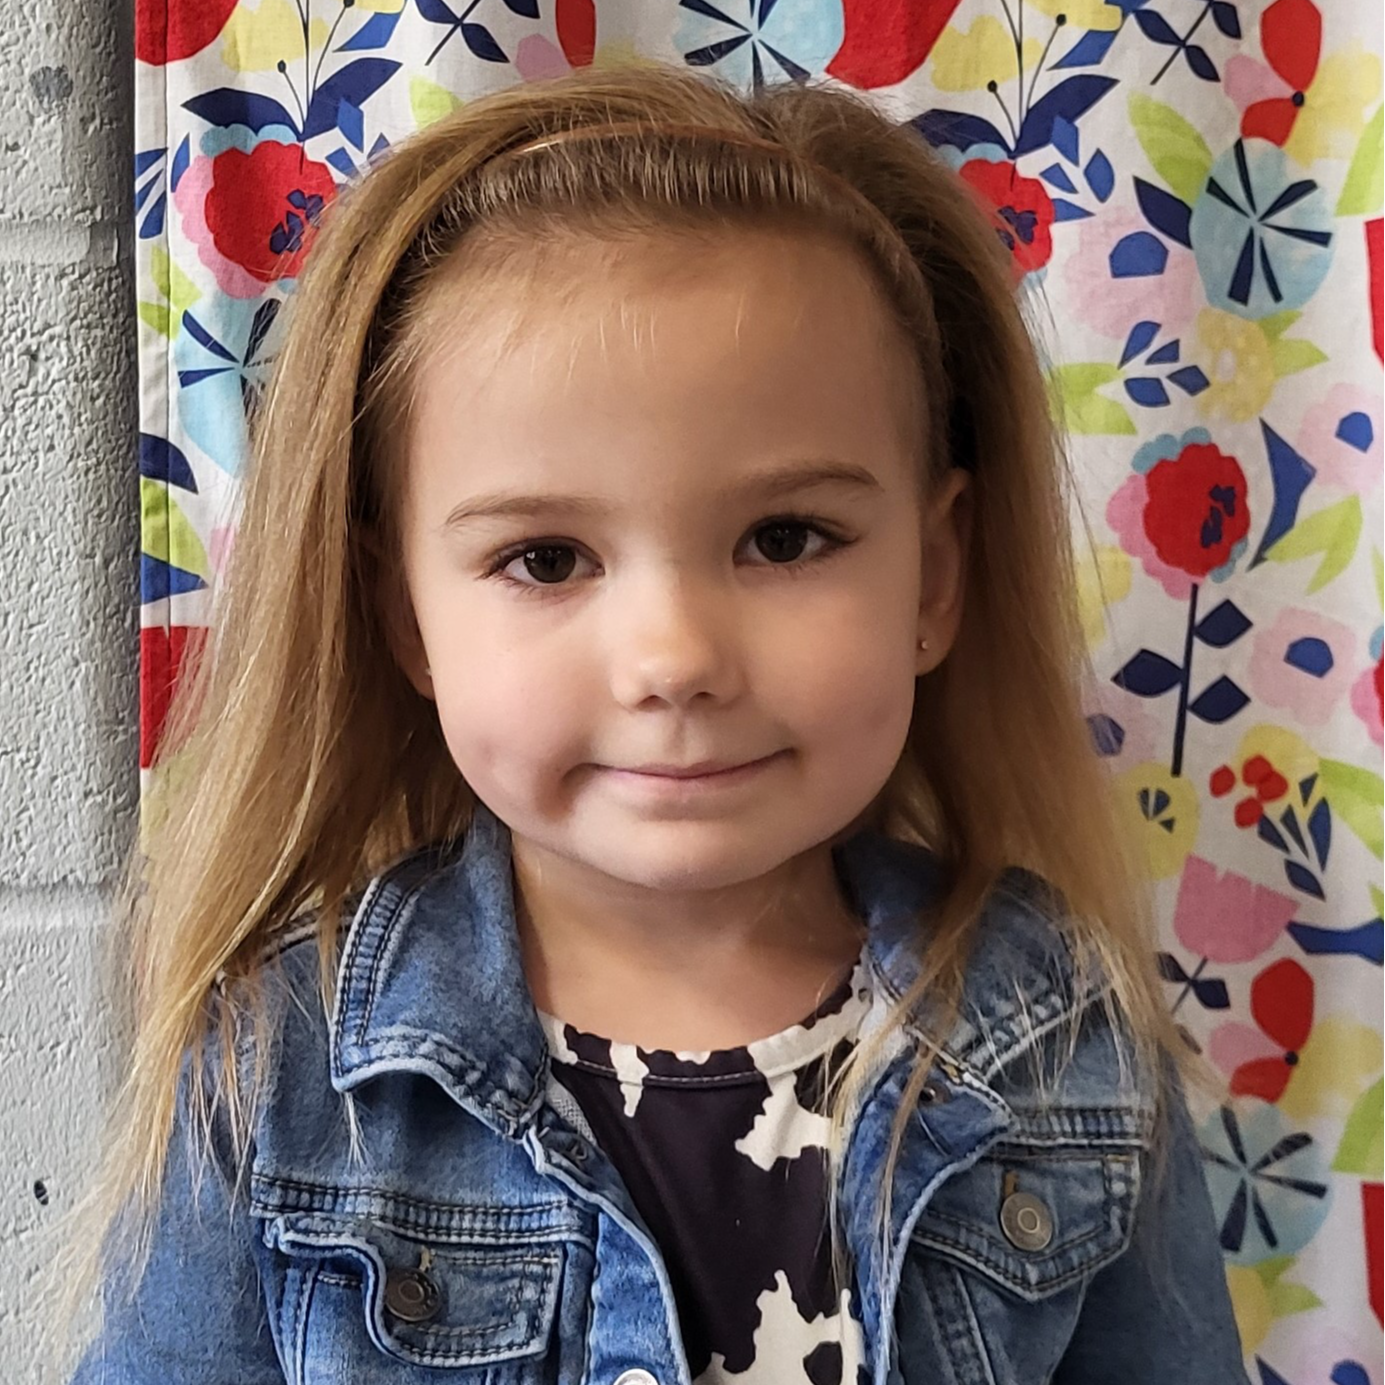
723, 1154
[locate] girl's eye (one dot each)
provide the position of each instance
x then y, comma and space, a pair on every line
548, 564
782, 541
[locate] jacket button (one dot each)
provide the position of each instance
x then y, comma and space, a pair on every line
636, 1378
411, 1295
1026, 1221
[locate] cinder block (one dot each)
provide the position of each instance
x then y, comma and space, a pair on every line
59, 1063
69, 567
66, 97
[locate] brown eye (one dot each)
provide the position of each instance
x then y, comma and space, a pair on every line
548, 566
784, 541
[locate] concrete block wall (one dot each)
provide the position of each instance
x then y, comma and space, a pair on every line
69, 572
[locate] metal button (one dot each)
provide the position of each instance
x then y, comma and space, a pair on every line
636, 1378
932, 1092
1026, 1221
411, 1295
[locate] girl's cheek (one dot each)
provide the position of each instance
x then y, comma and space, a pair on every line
504, 709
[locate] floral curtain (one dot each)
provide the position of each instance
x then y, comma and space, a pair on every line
1194, 188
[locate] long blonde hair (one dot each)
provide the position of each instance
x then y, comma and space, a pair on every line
298, 760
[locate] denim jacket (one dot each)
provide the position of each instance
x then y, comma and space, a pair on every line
416, 1208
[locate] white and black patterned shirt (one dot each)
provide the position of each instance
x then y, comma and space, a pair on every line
723, 1154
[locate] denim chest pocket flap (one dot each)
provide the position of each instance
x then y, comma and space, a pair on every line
425, 1299
1034, 1220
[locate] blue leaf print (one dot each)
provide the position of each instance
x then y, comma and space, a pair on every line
958, 129
1223, 625
1165, 212
225, 106
482, 42
1148, 675
1291, 475
1069, 100
353, 83
375, 33
1219, 703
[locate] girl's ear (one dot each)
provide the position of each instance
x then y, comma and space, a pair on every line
946, 534
396, 614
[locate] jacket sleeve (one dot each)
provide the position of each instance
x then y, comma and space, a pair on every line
198, 1315
1162, 1311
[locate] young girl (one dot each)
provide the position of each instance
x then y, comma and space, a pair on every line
635, 901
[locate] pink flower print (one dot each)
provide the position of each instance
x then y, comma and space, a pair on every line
1340, 436
190, 198
1100, 283
1301, 663
1183, 512
1225, 917
1368, 695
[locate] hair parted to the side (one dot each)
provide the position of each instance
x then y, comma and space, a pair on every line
298, 760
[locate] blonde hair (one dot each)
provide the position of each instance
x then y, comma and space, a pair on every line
298, 760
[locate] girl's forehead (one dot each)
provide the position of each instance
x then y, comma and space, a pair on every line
582, 291
524, 288
734, 354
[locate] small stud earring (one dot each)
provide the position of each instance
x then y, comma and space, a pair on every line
923, 644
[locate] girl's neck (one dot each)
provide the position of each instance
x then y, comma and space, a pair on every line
696, 971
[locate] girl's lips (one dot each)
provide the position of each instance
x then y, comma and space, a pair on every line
683, 781
706, 767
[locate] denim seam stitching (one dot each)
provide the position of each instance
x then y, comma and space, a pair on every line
978, 1337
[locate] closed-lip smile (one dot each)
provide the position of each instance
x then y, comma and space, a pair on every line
702, 769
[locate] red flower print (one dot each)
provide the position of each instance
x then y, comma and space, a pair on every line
1291, 35
576, 25
1022, 208
262, 207
162, 654
1261, 777
1375, 234
1373, 1204
887, 40
1195, 509
165, 33
1281, 1000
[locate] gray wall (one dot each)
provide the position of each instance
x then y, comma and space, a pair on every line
69, 638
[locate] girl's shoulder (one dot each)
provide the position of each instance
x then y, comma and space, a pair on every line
1041, 1020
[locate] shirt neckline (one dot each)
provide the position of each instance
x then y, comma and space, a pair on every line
834, 1019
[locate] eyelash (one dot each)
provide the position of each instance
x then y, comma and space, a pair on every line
835, 543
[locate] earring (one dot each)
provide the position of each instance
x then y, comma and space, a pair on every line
923, 644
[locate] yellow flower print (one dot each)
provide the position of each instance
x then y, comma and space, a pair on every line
1251, 1304
1162, 810
256, 40
1334, 106
1103, 579
1260, 1296
1236, 358
968, 60
1083, 14
1332, 1068
1291, 755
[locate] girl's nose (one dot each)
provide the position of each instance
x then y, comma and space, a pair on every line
673, 643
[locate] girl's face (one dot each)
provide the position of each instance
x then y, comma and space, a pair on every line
660, 511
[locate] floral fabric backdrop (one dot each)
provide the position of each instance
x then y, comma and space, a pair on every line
1194, 188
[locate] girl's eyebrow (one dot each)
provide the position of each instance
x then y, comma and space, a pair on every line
777, 481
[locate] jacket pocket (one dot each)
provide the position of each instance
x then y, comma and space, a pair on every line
429, 1302
1034, 1221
